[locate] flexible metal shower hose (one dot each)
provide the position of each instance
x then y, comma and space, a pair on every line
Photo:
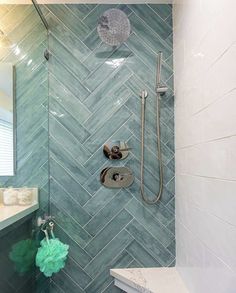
158, 195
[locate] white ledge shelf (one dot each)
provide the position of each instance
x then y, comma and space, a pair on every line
12, 214
149, 280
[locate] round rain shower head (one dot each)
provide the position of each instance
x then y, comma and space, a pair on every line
113, 27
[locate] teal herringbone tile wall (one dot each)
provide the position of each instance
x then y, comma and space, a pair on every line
94, 97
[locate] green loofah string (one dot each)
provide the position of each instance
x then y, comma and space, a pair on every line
51, 256
23, 255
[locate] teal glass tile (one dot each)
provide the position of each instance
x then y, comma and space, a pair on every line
163, 10
110, 210
38, 178
144, 217
67, 203
171, 185
108, 233
103, 279
64, 283
68, 141
54, 288
124, 8
68, 162
99, 200
147, 56
72, 104
98, 56
92, 40
67, 59
114, 62
77, 273
67, 120
72, 22
106, 110
68, 80
79, 10
171, 205
155, 248
152, 19
68, 224
107, 88
141, 255
72, 41
169, 20
32, 143
69, 184
171, 227
105, 256
149, 37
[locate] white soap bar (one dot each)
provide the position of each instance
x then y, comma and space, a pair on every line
10, 197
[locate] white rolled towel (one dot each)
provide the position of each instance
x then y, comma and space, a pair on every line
10, 197
24, 197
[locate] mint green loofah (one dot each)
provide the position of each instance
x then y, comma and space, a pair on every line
23, 255
51, 256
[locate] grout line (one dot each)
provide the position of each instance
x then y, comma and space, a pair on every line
81, 62
66, 68
154, 257
205, 142
102, 250
218, 99
107, 138
206, 177
107, 225
161, 225
71, 32
68, 91
74, 242
204, 210
68, 194
77, 284
205, 246
116, 257
164, 19
66, 212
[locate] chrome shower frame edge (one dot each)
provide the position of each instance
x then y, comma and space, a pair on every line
36, 6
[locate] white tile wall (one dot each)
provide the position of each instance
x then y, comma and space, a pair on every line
205, 119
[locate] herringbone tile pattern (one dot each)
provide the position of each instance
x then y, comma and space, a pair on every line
94, 93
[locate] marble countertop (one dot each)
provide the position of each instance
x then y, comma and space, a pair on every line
151, 280
11, 214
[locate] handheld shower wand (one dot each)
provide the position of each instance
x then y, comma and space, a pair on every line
160, 90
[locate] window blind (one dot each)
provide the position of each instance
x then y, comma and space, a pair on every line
6, 149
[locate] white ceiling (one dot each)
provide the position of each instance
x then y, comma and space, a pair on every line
85, 1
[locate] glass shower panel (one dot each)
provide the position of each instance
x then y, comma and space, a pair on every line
23, 41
